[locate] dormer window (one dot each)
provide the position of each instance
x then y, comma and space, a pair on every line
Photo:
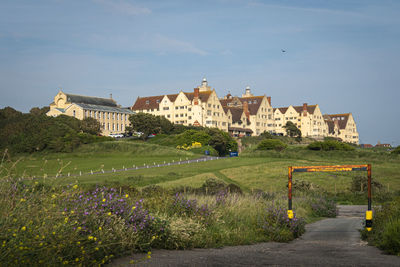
255, 102
147, 102
158, 101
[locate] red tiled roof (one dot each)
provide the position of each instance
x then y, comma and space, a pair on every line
149, 102
310, 108
338, 117
253, 102
236, 114
202, 95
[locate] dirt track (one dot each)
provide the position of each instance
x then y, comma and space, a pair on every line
330, 242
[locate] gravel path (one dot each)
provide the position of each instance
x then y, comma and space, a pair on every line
329, 242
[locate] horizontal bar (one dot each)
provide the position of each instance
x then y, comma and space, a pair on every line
330, 168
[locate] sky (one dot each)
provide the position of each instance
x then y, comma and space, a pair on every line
340, 54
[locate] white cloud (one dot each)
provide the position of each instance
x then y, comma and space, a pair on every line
124, 7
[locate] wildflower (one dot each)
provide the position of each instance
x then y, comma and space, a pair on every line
78, 243
104, 200
54, 233
149, 253
75, 186
96, 248
126, 195
22, 200
72, 212
23, 228
53, 196
131, 262
109, 214
79, 228
41, 244
133, 208
90, 237
77, 259
100, 228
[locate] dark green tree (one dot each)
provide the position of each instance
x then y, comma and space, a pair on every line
144, 123
91, 126
292, 130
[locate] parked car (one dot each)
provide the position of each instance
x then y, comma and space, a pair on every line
116, 135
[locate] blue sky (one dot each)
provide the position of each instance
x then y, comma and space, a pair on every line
341, 54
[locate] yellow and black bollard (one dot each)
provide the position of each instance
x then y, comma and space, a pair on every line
368, 220
368, 213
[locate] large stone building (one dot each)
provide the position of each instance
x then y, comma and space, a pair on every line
113, 119
342, 126
246, 115
199, 108
308, 118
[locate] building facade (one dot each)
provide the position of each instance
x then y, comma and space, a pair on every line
112, 118
345, 127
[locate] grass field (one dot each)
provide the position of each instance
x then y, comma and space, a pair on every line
252, 170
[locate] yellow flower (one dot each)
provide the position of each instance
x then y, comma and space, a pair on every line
54, 233
72, 212
131, 262
148, 256
133, 208
22, 200
23, 228
96, 249
104, 200
53, 196
75, 186
100, 228
77, 259
78, 243
126, 195
95, 238
109, 214
149, 253
79, 228
90, 237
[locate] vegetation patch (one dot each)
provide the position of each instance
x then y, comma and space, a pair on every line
269, 144
329, 145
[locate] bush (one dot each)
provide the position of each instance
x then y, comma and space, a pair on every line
385, 232
277, 227
360, 184
329, 145
269, 144
396, 150
321, 207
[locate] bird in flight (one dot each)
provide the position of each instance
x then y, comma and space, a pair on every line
283, 51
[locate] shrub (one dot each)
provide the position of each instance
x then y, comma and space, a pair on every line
396, 150
322, 207
330, 145
360, 184
269, 144
276, 225
385, 232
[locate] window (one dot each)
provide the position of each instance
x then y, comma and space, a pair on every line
182, 107
209, 105
165, 108
190, 109
113, 126
176, 107
147, 102
158, 101
208, 112
181, 115
190, 117
168, 116
117, 127
108, 126
255, 101
122, 127
176, 115
108, 116
74, 113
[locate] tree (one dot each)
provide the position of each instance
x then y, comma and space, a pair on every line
91, 126
145, 123
292, 130
39, 111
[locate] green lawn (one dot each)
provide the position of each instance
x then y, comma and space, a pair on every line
253, 170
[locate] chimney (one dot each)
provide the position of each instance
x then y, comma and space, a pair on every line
269, 100
196, 96
305, 109
110, 96
336, 123
246, 109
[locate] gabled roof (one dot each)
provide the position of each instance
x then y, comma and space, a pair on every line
91, 100
282, 110
253, 102
236, 114
331, 126
149, 102
341, 118
310, 109
203, 96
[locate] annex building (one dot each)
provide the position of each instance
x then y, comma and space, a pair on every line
112, 117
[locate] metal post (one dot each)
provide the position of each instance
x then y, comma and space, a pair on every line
368, 214
290, 211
